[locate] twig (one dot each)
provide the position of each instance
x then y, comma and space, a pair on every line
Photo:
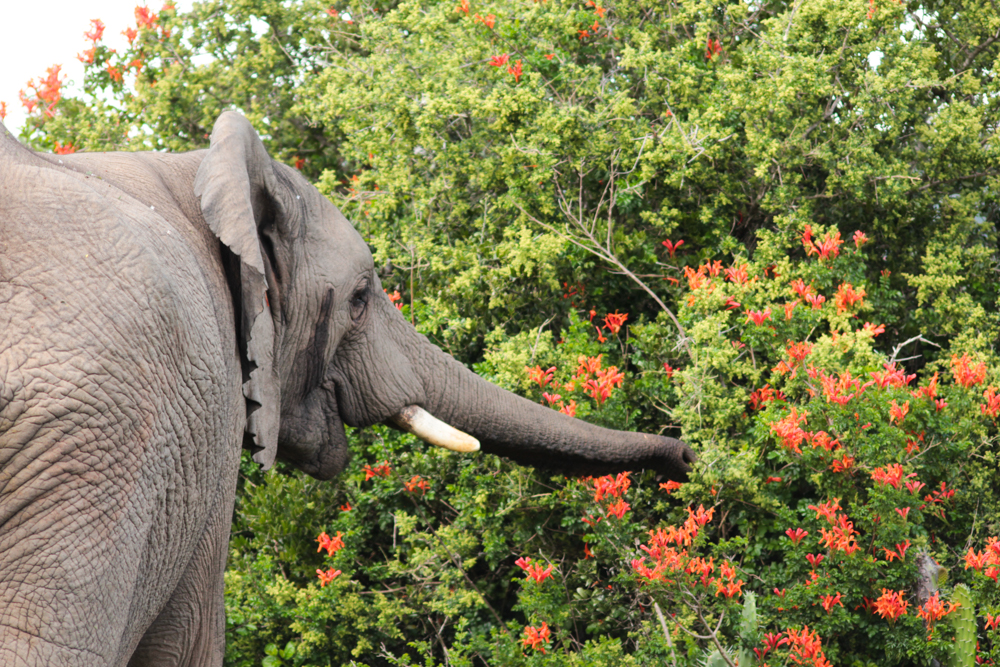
899, 347
666, 633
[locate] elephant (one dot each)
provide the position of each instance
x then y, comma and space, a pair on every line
158, 313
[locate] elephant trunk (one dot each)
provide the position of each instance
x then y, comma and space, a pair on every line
527, 432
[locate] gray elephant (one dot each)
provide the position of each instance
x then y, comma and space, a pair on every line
159, 311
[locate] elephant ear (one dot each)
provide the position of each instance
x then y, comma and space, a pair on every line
236, 183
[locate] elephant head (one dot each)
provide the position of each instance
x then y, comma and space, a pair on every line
322, 345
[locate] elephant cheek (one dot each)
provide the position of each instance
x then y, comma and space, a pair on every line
312, 435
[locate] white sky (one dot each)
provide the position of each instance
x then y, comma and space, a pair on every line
33, 37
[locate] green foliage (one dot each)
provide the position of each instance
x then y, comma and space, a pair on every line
513, 212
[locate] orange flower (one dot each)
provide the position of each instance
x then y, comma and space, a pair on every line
933, 611
815, 300
758, 317
898, 412
830, 601
381, 470
499, 61
130, 34
892, 475
327, 577
536, 374
737, 274
671, 486
3, 110
114, 73
614, 321
463, 6
815, 559
618, 508
870, 328
535, 637
860, 239
891, 605
965, 374
145, 18
847, 296
789, 431
96, 30
332, 545
417, 482
569, 409
992, 405
713, 48
843, 464
827, 510
66, 149
535, 571
515, 69
346, 507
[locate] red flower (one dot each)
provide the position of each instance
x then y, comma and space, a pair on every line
536, 374
830, 601
892, 475
670, 245
891, 605
870, 328
381, 470
611, 486
515, 69
145, 18
815, 300
898, 412
551, 398
488, 21
130, 34
815, 559
417, 482
843, 464
992, 405
860, 239
614, 321
327, 577
618, 508
737, 274
903, 512
346, 507
114, 73
332, 545
796, 535
933, 611
96, 30
827, 510
966, 374
569, 409
87, 57
847, 296
3, 110
535, 571
758, 317
992, 621
671, 486
463, 6
61, 149
914, 486
499, 61
535, 637
299, 162
550, 56
713, 48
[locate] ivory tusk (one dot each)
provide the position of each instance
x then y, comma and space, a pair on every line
430, 429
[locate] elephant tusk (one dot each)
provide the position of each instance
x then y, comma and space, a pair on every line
430, 429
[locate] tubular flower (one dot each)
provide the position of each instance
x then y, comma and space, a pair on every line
536, 637
738, 274
933, 611
806, 648
327, 577
766, 394
842, 464
381, 470
758, 316
830, 601
842, 537
96, 30
796, 535
417, 482
891, 475
891, 605
815, 300
835, 388
873, 330
668, 244
897, 413
801, 289
332, 545
536, 374
860, 239
534, 571
827, 510
847, 296
611, 486
967, 374
727, 584
499, 61
569, 409
789, 432
671, 486
992, 406
515, 69
618, 508
614, 321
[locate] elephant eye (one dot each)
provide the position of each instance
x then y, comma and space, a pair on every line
359, 301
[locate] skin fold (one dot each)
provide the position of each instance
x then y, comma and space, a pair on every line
157, 313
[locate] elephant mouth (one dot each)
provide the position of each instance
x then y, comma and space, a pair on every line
414, 419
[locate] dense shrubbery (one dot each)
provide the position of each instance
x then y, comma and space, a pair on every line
825, 335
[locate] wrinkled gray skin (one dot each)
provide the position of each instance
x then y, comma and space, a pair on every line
138, 353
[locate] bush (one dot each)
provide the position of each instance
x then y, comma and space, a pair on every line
795, 206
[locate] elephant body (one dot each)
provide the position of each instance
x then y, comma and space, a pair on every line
158, 312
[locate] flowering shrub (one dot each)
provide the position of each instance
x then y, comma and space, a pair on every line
716, 222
